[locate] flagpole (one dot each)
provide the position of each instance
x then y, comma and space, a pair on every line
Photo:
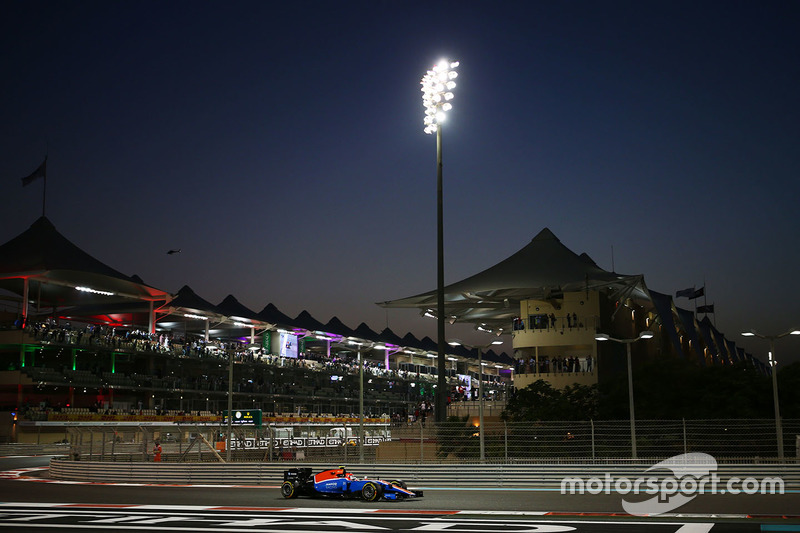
40, 172
705, 300
44, 188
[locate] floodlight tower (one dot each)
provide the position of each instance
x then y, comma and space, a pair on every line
437, 86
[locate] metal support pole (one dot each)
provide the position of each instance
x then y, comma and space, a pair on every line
230, 407
627, 343
505, 440
480, 404
685, 447
421, 443
630, 402
270, 446
360, 408
440, 398
24, 305
151, 321
778, 427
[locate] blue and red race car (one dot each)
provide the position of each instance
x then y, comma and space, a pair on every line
338, 482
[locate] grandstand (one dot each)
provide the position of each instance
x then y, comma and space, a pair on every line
78, 334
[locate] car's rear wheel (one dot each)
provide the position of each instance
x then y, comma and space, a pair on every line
370, 492
289, 489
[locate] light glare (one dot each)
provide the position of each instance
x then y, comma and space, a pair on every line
437, 86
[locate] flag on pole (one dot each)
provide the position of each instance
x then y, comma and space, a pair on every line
40, 172
685, 293
698, 293
706, 308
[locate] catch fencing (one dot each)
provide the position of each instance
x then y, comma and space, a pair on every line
545, 476
731, 441
610, 440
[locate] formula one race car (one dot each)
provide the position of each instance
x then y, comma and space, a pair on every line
339, 483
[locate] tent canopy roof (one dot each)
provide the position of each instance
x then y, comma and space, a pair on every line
273, 315
231, 307
337, 327
44, 255
542, 269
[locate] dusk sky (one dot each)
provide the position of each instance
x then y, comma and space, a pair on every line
280, 146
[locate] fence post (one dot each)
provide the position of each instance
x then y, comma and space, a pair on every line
270, 446
685, 450
591, 422
80, 442
505, 439
103, 444
421, 443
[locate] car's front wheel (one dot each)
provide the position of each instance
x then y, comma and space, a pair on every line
370, 492
289, 489
399, 483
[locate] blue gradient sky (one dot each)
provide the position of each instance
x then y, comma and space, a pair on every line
280, 146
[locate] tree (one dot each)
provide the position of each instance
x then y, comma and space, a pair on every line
789, 390
670, 388
540, 401
664, 388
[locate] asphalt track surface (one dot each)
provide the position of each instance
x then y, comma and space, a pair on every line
34, 503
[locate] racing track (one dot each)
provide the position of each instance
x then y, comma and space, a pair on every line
599, 512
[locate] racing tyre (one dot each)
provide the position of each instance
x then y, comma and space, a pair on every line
289, 489
371, 492
398, 483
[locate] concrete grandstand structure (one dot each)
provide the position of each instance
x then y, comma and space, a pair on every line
80, 340
78, 337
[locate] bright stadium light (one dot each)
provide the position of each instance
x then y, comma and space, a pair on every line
437, 91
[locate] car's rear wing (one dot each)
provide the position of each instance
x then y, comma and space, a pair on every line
299, 474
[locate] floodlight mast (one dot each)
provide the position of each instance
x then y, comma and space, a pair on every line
437, 86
